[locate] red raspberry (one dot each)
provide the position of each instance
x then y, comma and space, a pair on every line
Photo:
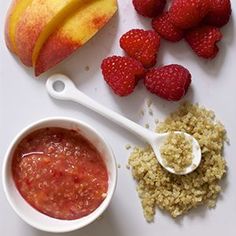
186, 14
142, 45
169, 82
203, 40
149, 8
220, 12
122, 74
166, 29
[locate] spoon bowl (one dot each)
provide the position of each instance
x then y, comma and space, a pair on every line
61, 87
159, 139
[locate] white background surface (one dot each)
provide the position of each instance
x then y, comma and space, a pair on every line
23, 99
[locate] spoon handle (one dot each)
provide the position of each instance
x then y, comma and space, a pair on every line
70, 92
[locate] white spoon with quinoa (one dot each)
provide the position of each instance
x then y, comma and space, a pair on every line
178, 152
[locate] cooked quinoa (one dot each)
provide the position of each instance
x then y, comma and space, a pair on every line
178, 194
177, 151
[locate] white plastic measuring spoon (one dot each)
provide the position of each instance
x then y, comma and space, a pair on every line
61, 87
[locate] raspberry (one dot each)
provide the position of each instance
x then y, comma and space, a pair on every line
149, 8
186, 14
122, 74
142, 45
203, 40
169, 82
220, 12
166, 29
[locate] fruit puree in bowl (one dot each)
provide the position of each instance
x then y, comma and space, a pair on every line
60, 173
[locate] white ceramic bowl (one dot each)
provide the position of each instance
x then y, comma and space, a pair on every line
34, 217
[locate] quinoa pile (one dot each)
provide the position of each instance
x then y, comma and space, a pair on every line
178, 194
177, 151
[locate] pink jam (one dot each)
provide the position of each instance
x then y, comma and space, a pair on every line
59, 173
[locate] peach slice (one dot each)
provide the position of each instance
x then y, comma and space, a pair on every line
14, 13
87, 20
37, 22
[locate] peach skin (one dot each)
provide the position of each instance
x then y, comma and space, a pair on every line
38, 21
15, 11
87, 20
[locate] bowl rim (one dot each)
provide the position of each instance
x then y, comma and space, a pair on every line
5, 180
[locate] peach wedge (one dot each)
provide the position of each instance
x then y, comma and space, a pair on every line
37, 22
14, 13
75, 32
